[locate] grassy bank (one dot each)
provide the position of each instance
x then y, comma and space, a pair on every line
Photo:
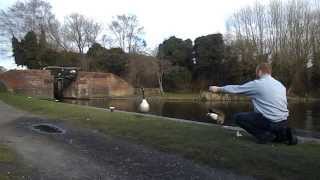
212, 146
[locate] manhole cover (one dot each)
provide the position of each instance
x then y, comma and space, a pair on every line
47, 128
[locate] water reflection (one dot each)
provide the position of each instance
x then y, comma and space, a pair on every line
304, 116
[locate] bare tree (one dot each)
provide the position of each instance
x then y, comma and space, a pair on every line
284, 32
25, 16
128, 33
107, 41
80, 32
32, 15
58, 37
142, 71
164, 67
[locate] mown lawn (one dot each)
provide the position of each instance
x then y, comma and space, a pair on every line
212, 146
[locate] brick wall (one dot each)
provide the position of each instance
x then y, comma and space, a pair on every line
87, 84
29, 82
95, 85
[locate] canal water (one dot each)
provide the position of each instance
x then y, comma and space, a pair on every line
303, 116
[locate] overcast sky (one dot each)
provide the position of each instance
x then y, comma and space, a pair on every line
160, 18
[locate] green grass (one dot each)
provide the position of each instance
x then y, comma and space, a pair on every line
212, 146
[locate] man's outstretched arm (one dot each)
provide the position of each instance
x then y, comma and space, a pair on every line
248, 89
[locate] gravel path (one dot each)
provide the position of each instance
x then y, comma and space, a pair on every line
81, 154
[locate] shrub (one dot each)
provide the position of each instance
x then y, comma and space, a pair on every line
178, 78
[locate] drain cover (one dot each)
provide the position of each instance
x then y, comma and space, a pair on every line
47, 128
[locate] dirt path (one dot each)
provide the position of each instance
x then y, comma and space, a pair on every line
88, 154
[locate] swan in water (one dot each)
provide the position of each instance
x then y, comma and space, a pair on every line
214, 116
144, 105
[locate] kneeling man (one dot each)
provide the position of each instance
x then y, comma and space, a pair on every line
268, 122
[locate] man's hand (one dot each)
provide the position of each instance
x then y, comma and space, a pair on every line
214, 89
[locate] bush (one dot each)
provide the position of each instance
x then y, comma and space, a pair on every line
177, 79
113, 60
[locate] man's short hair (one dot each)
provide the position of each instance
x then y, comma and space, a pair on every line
265, 68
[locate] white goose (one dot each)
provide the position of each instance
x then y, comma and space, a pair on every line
214, 116
144, 105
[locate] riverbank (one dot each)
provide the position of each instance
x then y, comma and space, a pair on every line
166, 96
211, 146
208, 96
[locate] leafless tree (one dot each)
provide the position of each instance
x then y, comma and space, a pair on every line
107, 41
24, 16
283, 32
80, 31
164, 67
142, 71
32, 15
128, 33
58, 37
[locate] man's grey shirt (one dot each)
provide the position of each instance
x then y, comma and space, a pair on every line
267, 94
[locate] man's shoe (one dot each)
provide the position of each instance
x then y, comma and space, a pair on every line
291, 138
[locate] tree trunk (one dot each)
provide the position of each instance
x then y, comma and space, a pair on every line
160, 83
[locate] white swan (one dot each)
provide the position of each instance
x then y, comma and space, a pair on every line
144, 105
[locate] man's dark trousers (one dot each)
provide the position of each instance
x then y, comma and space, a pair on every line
260, 127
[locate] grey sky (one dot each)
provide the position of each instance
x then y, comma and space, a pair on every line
160, 18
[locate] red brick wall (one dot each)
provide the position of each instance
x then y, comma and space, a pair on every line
29, 82
87, 85
95, 85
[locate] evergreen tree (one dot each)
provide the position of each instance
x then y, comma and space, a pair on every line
18, 52
177, 51
178, 78
31, 48
113, 60
95, 50
209, 53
